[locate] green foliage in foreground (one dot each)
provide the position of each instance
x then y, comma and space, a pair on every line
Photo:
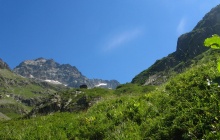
184, 108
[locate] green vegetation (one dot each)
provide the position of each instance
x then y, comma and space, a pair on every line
18, 94
132, 89
12, 83
187, 107
214, 43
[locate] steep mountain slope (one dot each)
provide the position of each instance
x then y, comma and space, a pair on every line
51, 71
18, 94
189, 46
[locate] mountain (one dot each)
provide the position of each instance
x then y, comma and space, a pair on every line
50, 71
189, 46
20, 93
185, 107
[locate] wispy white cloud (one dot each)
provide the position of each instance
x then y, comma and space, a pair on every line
118, 40
181, 28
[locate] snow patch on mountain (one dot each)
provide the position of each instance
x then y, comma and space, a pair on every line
53, 82
101, 84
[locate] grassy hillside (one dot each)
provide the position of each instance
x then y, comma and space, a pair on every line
18, 94
185, 107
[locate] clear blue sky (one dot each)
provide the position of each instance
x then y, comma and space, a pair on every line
107, 39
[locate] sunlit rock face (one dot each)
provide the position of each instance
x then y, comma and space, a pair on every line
50, 71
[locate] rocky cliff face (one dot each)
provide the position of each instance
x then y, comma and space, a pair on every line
189, 46
53, 72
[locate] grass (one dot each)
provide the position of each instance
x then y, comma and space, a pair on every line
14, 89
163, 113
183, 108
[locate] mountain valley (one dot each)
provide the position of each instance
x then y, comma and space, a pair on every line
177, 98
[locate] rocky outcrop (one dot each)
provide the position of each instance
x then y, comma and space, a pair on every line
50, 71
189, 46
3, 65
76, 101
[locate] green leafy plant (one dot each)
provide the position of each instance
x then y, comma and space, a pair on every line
214, 43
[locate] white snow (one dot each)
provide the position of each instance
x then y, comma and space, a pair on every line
101, 84
53, 82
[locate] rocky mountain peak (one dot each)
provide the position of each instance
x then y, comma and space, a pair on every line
50, 71
39, 61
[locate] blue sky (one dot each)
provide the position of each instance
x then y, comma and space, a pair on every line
106, 39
